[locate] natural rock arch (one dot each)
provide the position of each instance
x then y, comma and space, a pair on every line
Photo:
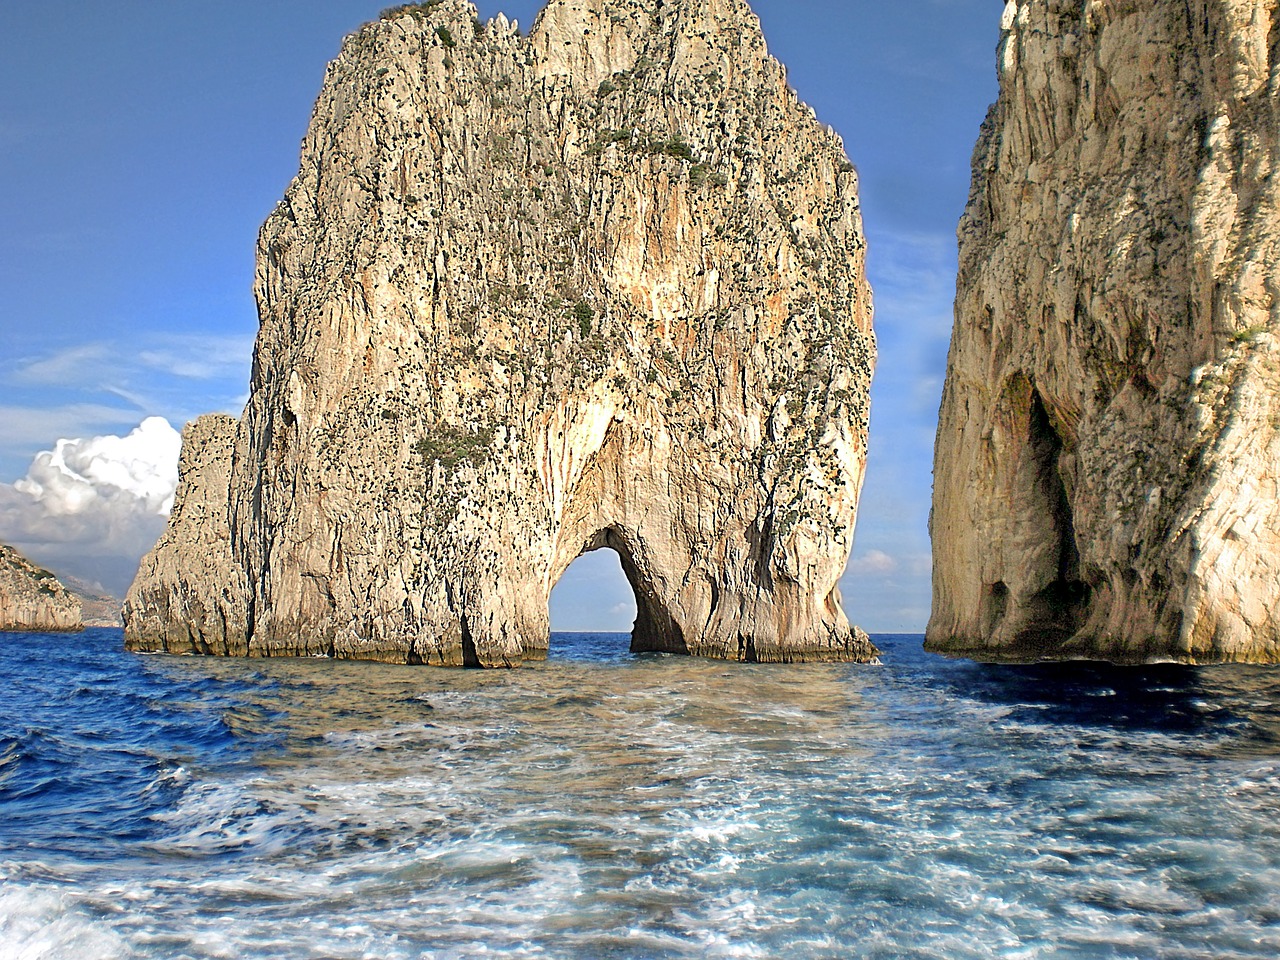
526, 296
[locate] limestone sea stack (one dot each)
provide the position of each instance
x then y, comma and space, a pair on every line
33, 599
1105, 474
600, 286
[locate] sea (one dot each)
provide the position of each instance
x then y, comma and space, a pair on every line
609, 805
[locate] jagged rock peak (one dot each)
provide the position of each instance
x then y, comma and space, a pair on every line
591, 40
601, 286
1105, 479
33, 599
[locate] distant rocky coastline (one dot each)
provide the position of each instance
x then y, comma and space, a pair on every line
33, 599
99, 608
601, 286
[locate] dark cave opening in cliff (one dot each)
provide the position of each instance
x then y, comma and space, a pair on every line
1054, 613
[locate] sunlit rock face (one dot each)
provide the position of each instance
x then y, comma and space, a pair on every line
1105, 474
33, 599
600, 286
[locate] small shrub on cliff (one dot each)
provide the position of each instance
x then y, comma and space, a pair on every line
1249, 334
449, 446
673, 147
583, 313
607, 137
446, 38
700, 173
416, 10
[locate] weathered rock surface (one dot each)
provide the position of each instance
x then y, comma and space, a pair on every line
33, 599
601, 286
1105, 475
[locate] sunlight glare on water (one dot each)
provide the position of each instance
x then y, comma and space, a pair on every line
608, 805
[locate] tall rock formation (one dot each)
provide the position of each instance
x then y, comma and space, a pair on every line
1105, 475
32, 599
601, 286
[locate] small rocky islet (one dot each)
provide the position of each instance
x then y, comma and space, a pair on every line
600, 286
33, 599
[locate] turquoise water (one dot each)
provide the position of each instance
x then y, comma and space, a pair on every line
602, 805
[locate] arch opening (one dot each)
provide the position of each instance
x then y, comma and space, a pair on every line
606, 590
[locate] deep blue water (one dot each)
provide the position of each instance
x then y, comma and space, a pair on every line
603, 805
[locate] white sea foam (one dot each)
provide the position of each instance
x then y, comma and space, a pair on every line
39, 922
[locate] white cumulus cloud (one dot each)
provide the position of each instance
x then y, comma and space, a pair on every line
75, 473
93, 507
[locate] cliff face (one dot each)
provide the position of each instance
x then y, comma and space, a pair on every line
32, 599
1105, 480
529, 297
97, 607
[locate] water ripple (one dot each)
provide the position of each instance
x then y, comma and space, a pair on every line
607, 805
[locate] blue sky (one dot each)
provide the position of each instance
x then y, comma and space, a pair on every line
143, 142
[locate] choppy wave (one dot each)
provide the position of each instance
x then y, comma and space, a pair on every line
608, 806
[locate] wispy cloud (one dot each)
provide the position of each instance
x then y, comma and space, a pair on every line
887, 583
78, 364
35, 428
102, 364
872, 561
79, 389
200, 357
885, 594
914, 276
